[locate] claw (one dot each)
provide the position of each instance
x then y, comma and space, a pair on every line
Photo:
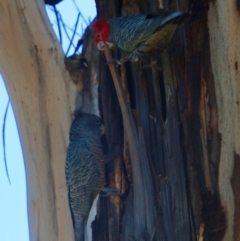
116, 61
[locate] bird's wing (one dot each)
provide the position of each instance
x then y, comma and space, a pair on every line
82, 175
158, 41
81, 165
136, 29
131, 30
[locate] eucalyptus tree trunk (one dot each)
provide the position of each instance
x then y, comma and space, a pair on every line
32, 65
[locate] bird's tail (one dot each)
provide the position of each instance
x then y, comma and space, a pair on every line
79, 230
175, 18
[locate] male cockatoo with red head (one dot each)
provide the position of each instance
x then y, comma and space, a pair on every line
138, 36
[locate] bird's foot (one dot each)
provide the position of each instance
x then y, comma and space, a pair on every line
116, 61
106, 191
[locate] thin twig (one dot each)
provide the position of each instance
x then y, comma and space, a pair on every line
3, 138
75, 29
79, 44
76, 6
137, 149
65, 30
58, 24
131, 130
89, 20
78, 34
63, 24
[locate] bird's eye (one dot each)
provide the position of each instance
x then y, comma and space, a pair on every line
98, 35
98, 122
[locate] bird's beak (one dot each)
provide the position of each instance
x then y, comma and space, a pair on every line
102, 129
100, 45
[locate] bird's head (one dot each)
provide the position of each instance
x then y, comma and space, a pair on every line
101, 30
86, 125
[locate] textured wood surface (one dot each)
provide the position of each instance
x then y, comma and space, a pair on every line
176, 101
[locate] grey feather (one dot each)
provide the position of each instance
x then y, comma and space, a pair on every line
142, 35
84, 169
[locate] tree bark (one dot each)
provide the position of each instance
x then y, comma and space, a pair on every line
223, 23
186, 112
32, 64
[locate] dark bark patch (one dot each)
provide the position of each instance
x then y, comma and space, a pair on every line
214, 218
235, 181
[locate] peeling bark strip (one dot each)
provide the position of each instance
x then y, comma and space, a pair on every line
143, 206
235, 181
224, 54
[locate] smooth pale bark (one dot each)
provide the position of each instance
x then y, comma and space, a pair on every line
223, 22
32, 64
